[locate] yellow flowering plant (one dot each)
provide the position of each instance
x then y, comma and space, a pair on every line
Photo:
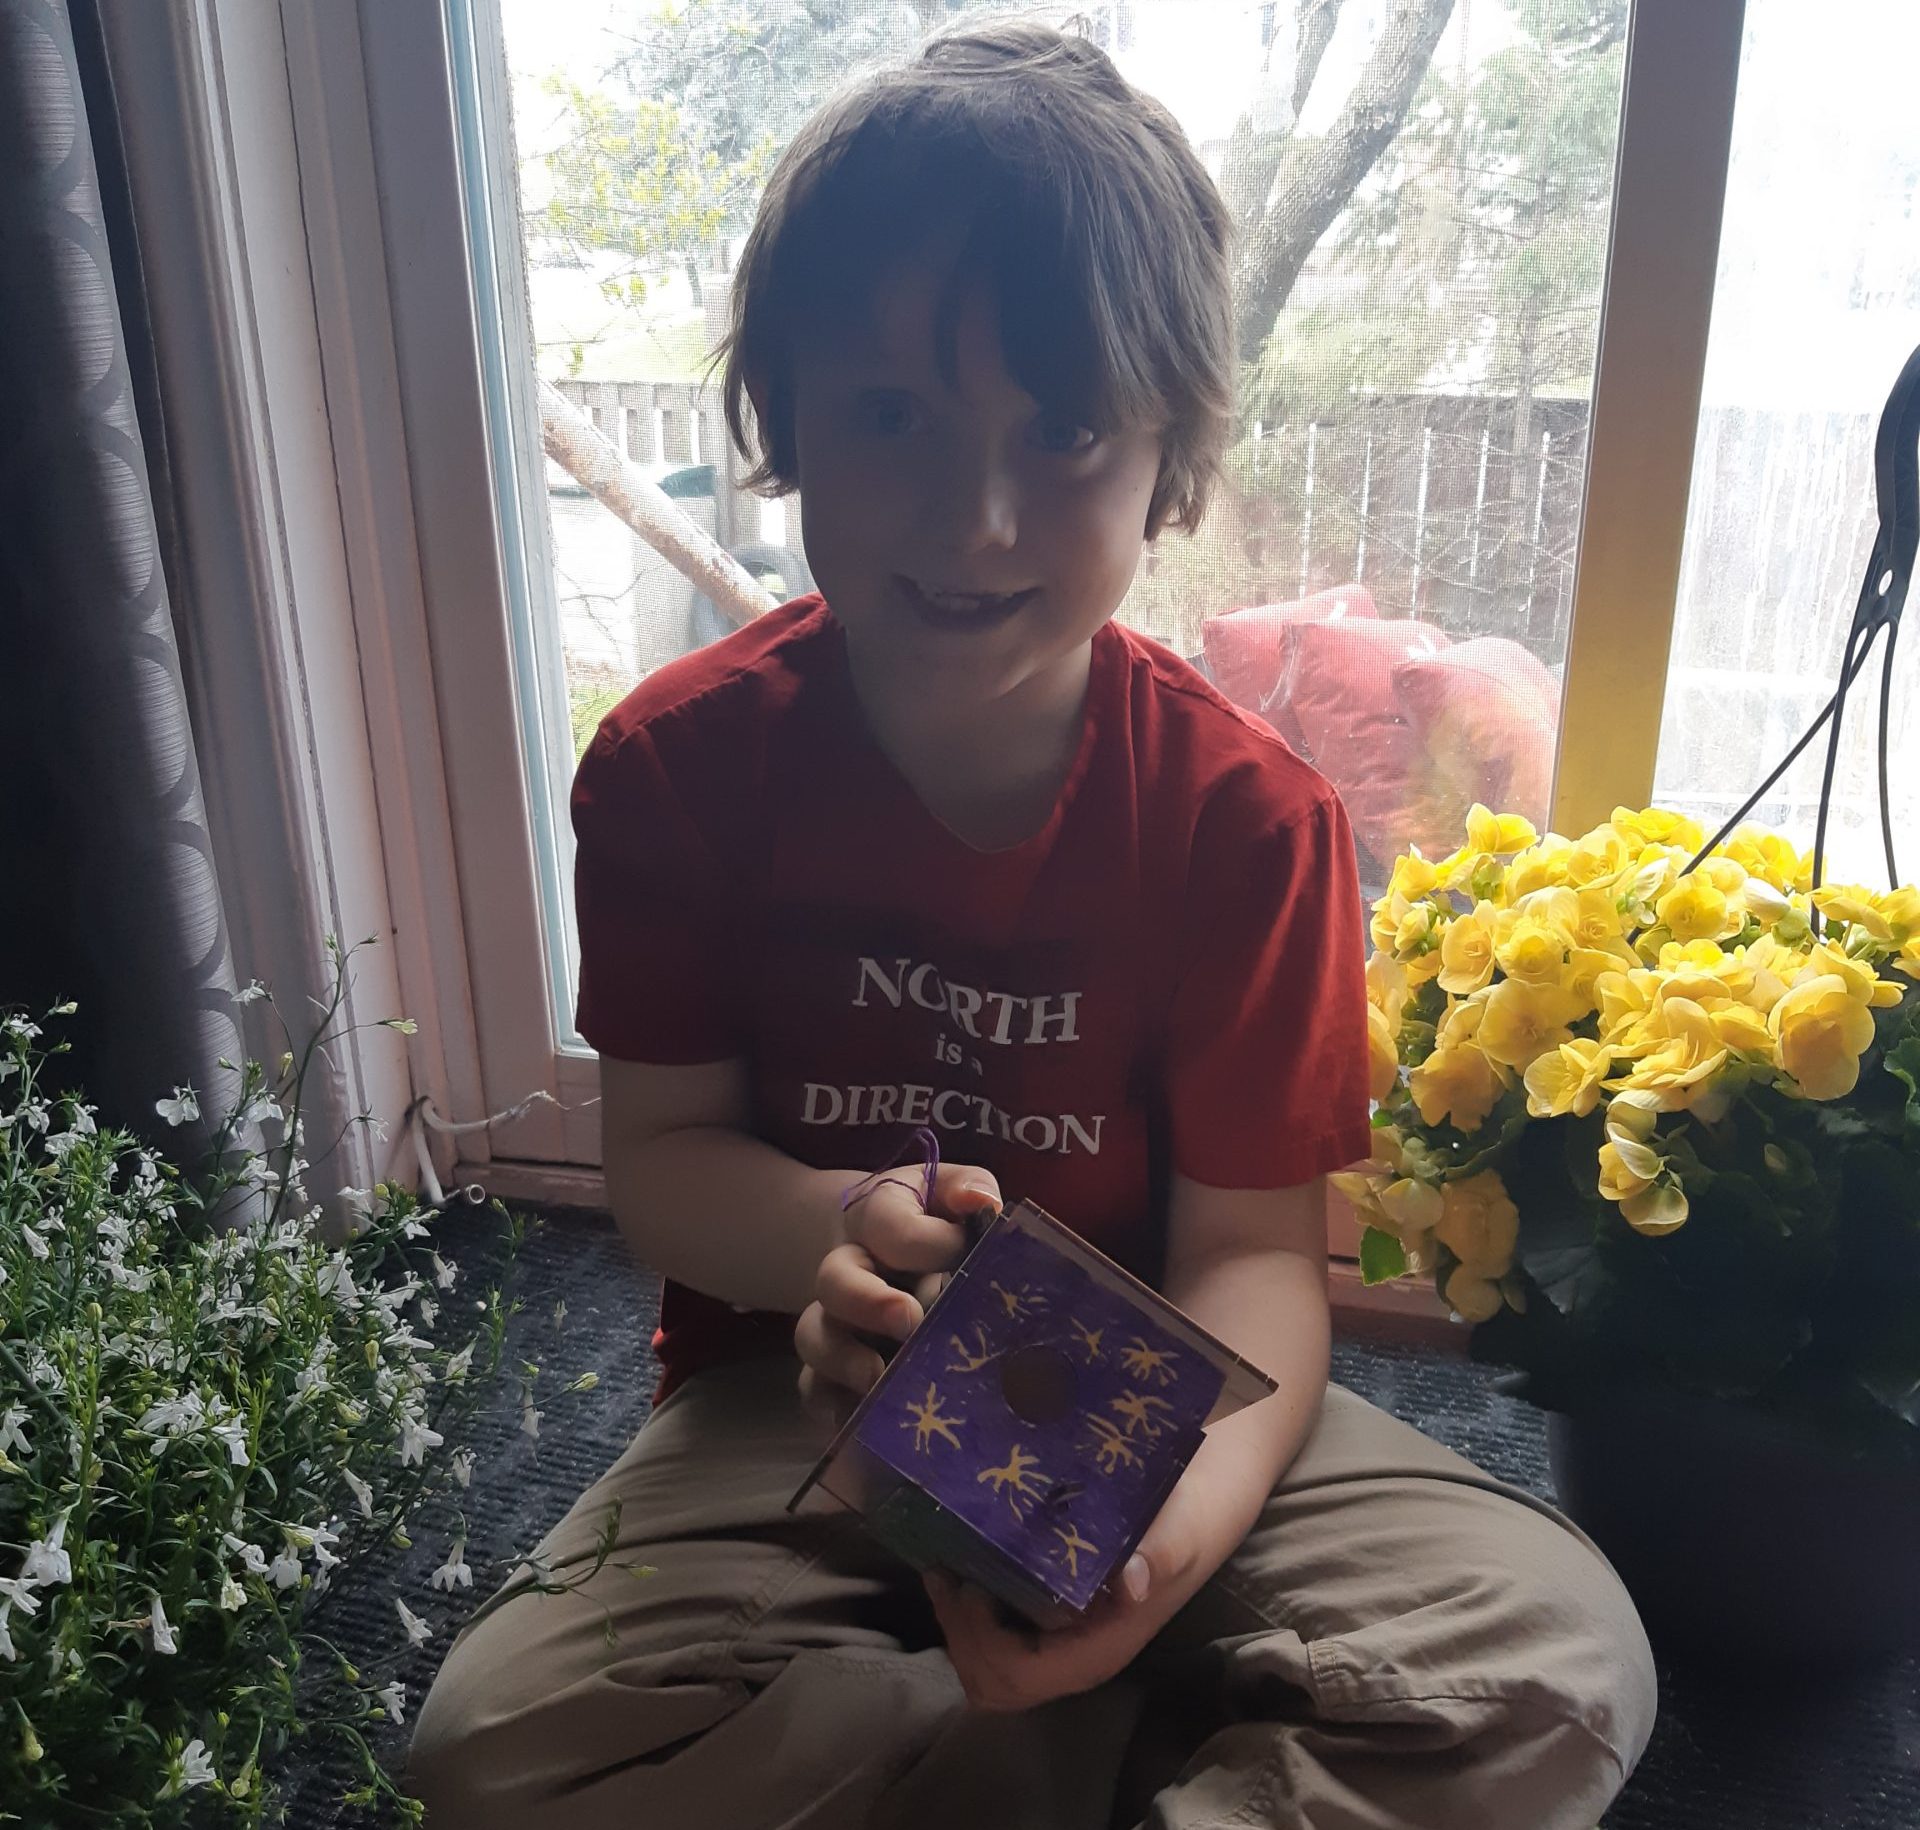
1646, 1120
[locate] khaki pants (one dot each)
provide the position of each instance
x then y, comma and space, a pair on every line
1400, 1643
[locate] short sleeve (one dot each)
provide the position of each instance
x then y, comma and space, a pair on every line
1267, 1068
652, 910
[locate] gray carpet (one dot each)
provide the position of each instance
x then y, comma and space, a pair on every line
1766, 1756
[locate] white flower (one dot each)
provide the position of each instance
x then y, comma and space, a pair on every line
429, 1312
394, 1699
455, 1571
415, 1437
234, 1434
418, 1632
335, 1279
8, 1068
174, 1416
47, 1562
458, 1364
182, 1109
11, 1434
8, 1650
443, 1273
284, 1571
362, 1493
193, 1766
19, 1026
38, 1115
529, 1417
162, 1632
232, 1596
134, 1278
252, 1558
560, 1314
58, 1146
413, 1228
260, 1107
250, 993
17, 1592
317, 1541
36, 1242
463, 1466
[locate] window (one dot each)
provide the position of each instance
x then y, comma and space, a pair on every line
1810, 326
1387, 572
1430, 420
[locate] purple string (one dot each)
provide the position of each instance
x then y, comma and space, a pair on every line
929, 1147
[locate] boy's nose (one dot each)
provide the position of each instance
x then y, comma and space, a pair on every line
979, 508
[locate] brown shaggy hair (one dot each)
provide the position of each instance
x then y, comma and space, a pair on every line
1078, 200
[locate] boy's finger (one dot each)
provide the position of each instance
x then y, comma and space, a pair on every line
961, 1190
834, 1354
855, 1295
902, 1236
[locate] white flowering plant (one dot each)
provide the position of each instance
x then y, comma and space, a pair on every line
210, 1402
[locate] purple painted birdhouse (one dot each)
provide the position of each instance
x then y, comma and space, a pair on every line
1026, 1435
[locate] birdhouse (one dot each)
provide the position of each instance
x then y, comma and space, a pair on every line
1027, 1433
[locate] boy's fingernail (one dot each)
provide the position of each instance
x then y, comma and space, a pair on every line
1136, 1579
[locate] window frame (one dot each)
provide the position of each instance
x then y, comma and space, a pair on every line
1681, 71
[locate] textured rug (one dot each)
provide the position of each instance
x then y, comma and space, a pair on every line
1766, 1756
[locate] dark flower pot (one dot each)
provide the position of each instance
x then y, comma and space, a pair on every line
1746, 1541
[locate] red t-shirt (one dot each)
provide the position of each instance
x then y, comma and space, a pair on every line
1168, 975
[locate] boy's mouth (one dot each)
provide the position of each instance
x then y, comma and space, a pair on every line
947, 609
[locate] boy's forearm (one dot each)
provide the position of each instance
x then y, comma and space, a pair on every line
727, 1214
1272, 1308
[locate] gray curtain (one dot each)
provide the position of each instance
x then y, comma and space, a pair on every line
108, 893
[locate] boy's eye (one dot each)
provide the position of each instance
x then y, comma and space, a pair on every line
1064, 437
890, 415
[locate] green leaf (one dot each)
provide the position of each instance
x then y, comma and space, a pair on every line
1903, 1063
1382, 1256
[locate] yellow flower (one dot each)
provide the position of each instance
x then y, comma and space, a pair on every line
1821, 1031
1481, 1227
1457, 1086
1771, 858
1539, 867
1499, 833
1766, 903
1863, 984
1596, 919
1858, 908
1412, 1208
1466, 952
1413, 877
1599, 857
1387, 987
1586, 966
1686, 1055
1383, 1055
1416, 930
1460, 1021
1523, 1021
1696, 909
1617, 1181
1530, 949
1743, 1029
1656, 1210
1567, 1080
1658, 826
1624, 999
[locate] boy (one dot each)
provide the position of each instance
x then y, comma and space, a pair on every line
947, 847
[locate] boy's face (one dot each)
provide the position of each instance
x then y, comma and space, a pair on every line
969, 543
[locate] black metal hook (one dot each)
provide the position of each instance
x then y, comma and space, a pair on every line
1883, 595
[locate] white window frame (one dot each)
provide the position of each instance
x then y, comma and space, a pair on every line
444, 543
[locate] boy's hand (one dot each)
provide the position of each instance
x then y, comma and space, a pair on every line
887, 1232
1012, 1668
